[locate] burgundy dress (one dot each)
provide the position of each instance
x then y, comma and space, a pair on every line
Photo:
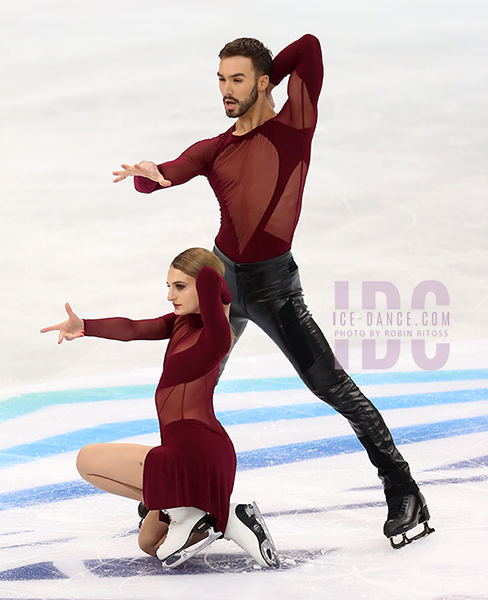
195, 464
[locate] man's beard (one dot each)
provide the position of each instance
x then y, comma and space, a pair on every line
245, 105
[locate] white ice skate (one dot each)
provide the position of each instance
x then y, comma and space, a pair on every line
185, 523
246, 527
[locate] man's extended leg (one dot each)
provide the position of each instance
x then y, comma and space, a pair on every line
270, 294
238, 318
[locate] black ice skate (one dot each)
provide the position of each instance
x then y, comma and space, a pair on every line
247, 528
405, 512
142, 511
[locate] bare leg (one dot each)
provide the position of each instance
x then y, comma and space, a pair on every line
153, 533
114, 468
118, 469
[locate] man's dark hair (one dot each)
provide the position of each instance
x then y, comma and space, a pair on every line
262, 59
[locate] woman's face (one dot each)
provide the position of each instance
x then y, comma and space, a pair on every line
182, 292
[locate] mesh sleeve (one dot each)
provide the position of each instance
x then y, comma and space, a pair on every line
302, 60
194, 161
212, 293
125, 330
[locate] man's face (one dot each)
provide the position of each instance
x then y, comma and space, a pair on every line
238, 85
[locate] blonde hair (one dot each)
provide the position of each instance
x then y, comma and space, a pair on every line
192, 260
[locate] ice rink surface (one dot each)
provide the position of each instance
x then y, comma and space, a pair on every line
396, 193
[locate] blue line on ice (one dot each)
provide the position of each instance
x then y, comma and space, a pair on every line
27, 403
109, 432
264, 457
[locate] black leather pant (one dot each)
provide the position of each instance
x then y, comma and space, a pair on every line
269, 293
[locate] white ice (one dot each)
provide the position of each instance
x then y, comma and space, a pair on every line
396, 192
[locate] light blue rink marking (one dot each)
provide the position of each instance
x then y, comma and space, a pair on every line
109, 432
27, 403
267, 457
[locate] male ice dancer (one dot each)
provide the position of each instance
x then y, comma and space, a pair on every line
257, 170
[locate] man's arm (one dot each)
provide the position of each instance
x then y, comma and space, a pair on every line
302, 60
149, 177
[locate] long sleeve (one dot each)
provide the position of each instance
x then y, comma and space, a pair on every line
194, 161
212, 293
125, 330
302, 60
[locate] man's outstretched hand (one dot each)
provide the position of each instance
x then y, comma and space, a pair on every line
145, 168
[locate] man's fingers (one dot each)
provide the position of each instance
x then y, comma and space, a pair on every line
128, 171
141, 169
145, 168
121, 178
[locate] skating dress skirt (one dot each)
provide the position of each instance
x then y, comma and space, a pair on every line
196, 462
194, 466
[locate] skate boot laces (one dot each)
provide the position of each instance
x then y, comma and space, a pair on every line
405, 512
397, 506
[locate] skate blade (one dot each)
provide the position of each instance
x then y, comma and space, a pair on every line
268, 548
183, 554
405, 540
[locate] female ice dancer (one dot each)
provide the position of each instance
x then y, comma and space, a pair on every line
187, 481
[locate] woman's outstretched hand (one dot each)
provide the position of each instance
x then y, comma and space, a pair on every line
70, 329
145, 168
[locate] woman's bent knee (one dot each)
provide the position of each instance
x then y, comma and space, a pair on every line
85, 459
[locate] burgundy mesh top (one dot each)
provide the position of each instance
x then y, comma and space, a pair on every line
197, 344
259, 177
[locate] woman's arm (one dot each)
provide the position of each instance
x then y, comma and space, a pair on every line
70, 329
115, 328
214, 296
126, 330
213, 341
